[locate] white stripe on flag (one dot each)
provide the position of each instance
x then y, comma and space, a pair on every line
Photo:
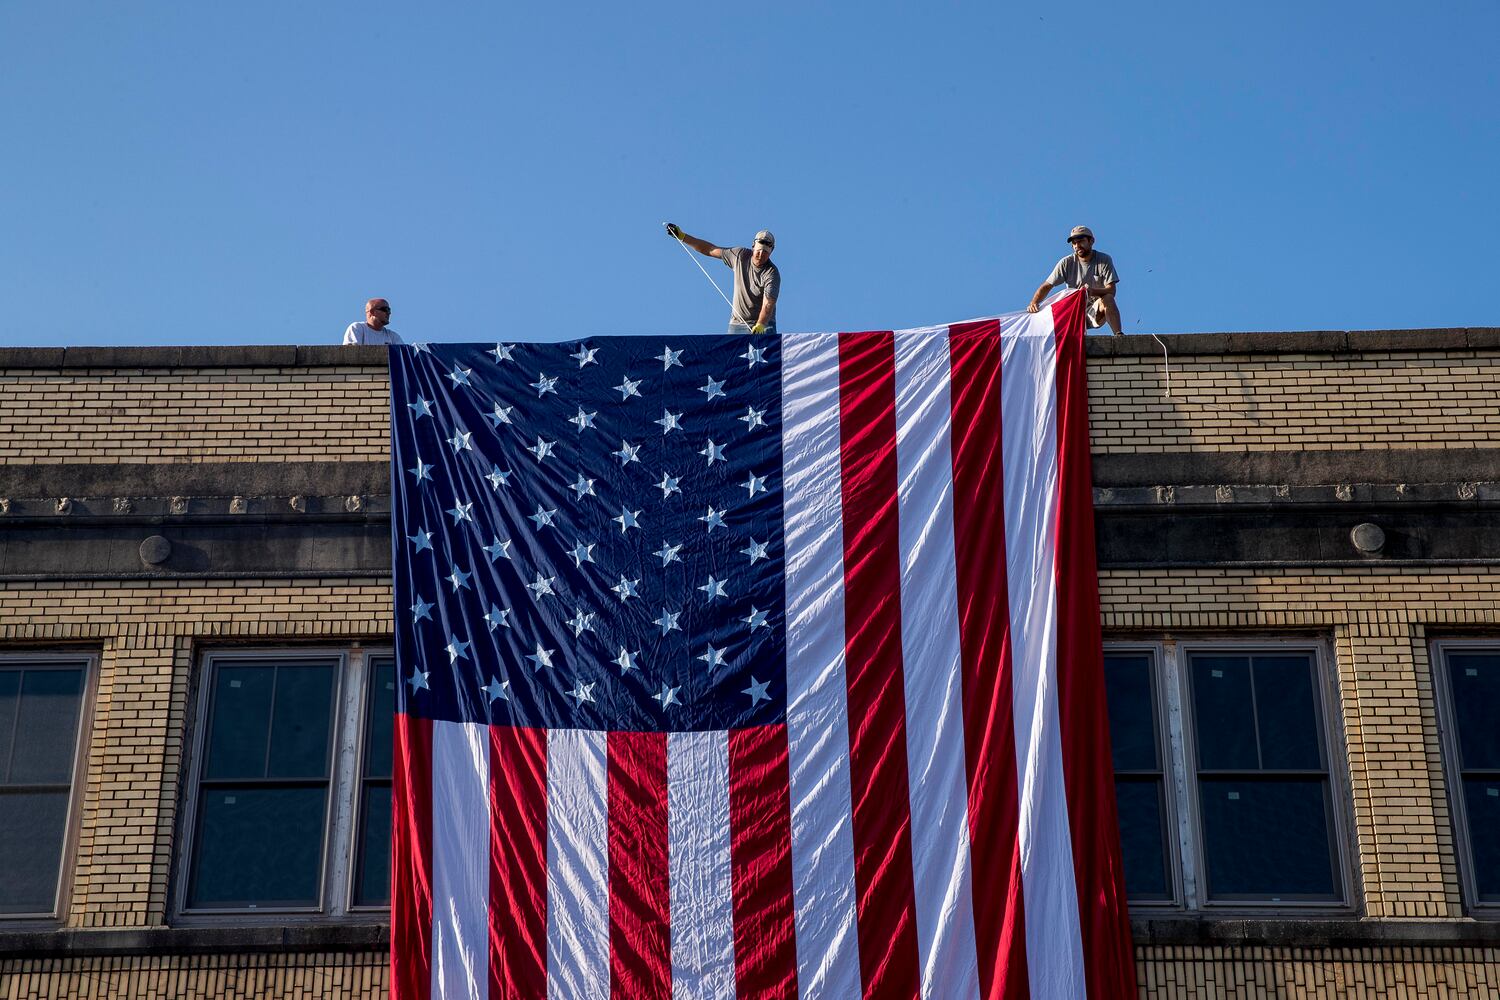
702, 884
817, 699
1028, 379
460, 859
577, 865
933, 668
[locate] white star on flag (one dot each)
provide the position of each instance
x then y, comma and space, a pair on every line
629, 387
497, 618
581, 622
541, 658
458, 579
421, 470
421, 610
422, 408
753, 418
498, 549
544, 385
585, 356
583, 692
497, 690
460, 376
542, 518
583, 488
457, 650
422, 540
502, 352
755, 619
542, 449
497, 478
713, 657
581, 554
500, 416
626, 660
713, 588
668, 621
713, 389
627, 519
714, 518
462, 511
715, 452
669, 422
542, 585
667, 696
461, 440
583, 420
668, 553
626, 588
757, 691
669, 357
418, 680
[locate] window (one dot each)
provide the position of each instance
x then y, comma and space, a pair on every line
1469, 687
1140, 780
41, 712
290, 805
1234, 803
1263, 790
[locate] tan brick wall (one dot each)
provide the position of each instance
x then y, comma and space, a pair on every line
1296, 402
148, 635
1379, 620
198, 977
1298, 973
1218, 403
238, 415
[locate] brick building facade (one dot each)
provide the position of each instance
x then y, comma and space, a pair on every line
164, 512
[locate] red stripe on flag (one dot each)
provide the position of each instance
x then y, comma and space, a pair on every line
518, 863
411, 860
760, 829
984, 634
640, 932
885, 908
1082, 709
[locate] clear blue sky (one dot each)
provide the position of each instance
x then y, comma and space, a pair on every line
226, 173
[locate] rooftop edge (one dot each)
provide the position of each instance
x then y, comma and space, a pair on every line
1330, 342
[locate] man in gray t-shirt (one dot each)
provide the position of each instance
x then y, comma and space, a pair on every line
1087, 268
757, 283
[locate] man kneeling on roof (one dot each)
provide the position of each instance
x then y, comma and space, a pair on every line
1087, 268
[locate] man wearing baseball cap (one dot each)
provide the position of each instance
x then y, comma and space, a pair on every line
757, 283
1087, 268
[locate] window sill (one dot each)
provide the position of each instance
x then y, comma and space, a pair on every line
74, 942
1312, 932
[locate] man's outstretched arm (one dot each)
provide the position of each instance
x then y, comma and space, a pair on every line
702, 246
1041, 293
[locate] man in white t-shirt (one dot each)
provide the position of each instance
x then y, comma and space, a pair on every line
374, 329
1086, 268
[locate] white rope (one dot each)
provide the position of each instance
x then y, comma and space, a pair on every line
710, 277
1166, 366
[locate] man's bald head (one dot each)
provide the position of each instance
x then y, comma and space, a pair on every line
377, 313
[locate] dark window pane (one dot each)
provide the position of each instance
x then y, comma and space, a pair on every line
1287, 706
1132, 711
10, 687
258, 846
373, 876
1268, 839
1475, 679
1223, 713
379, 718
46, 727
1141, 839
31, 839
302, 720
1482, 802
241, 716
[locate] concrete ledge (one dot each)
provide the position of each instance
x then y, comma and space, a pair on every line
1303, 342
269, 356
1134, 345
1178, 931
195, 479
1298, 468
72, 943
1199, 931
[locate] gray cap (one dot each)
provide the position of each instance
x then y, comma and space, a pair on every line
1080, 231
764, 236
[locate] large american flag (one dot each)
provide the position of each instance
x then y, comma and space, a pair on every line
752, 667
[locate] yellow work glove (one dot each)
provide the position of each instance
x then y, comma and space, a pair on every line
758, 328
673, 231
